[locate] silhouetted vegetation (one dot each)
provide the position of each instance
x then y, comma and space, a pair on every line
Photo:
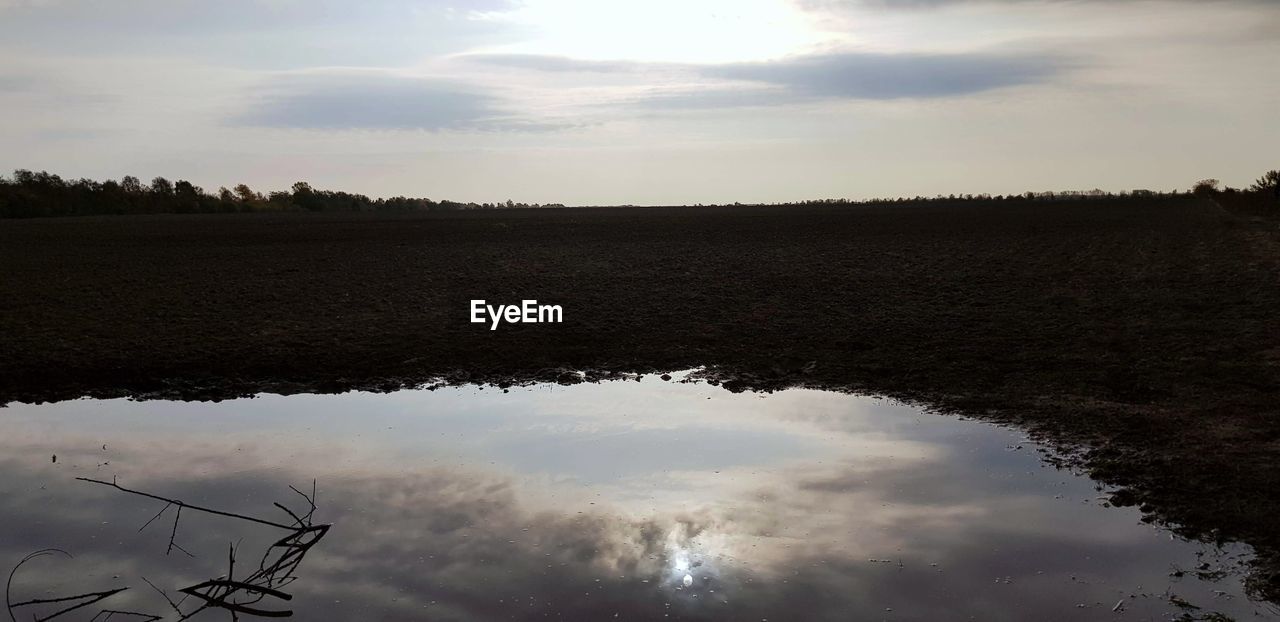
1269, 182
1206, 187
28, 194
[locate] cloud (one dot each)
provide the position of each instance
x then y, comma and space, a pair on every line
891, 76
849, 75
271, 34
712, 98
379, 101
239, 14
50, 91
16, 84
540, 62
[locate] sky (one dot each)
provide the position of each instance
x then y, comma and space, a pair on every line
645, 101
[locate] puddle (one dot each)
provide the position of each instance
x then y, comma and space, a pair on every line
630, 499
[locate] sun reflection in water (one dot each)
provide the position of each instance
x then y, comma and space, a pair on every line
690, 569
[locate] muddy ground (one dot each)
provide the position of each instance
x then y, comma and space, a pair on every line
1144, 336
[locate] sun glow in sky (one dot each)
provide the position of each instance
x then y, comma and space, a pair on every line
674, 31
644, 101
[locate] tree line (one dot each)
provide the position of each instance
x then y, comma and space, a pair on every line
1267, 186
29, 194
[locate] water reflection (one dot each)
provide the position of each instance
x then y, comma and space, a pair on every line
639, 500
255, 592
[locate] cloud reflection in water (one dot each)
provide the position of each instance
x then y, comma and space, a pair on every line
636, 499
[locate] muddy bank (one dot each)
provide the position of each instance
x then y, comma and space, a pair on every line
1142, 334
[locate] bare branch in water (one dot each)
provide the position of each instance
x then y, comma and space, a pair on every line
188, 506
236, 596
176, 606
110, 613
153, 518
89, 598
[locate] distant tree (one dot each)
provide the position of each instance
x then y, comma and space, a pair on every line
1269, 182
305, 197
279, 200
246, 194
131, 184
184, 188
1205, 187
42, 179
187, 196
161, 186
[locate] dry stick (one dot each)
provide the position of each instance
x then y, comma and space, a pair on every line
8, 586
224, 589
288, 560
310, 500
96, 596
111, 612
173, 536
297, 521
219, 599
165, 595
293, 551
182, 504
157, 516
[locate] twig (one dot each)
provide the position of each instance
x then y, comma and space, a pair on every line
189, 506
288, 553
164, 595
93, 596
146, 617
8, 586
153, 518
219, 599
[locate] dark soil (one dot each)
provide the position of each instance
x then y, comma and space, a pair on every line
1142, 335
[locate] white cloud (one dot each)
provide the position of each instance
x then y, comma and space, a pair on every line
647, 102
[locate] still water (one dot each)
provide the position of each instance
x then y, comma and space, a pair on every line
628, 500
